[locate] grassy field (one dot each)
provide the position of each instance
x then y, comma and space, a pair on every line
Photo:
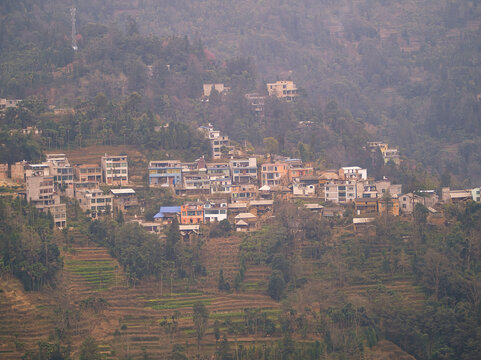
100, 274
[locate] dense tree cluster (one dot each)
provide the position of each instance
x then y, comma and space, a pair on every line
444, 261
26, 246
143, 255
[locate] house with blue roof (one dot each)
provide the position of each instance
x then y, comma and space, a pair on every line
167, 213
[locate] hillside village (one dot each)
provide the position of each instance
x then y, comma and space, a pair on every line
232, 209
256, 180
238, 189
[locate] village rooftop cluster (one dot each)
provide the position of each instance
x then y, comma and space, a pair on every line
242, 191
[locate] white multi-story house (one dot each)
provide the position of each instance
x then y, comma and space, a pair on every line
115, 170
340, 191
215, 211
353, 173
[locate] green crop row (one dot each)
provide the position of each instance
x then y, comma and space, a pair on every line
177, 304
175, 295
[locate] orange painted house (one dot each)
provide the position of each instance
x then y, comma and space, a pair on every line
192, 213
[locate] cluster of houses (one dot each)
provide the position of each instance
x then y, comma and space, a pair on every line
242, 191
282, 89
46, 181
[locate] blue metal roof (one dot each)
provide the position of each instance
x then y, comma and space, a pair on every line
166, 209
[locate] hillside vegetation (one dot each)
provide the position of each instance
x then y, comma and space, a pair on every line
300, 287
408, 67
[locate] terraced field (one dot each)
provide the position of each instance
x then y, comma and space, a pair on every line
138, 320
16, 334
221, 253
99, 274
131, 324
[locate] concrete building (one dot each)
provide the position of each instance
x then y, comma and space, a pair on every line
385, 186
244, 171
274, 174
448, 195
88, 173
124, 199
392, 206
165, 173
95, 202
151, 227
388, 154
352, 173
244, 192
79, 186
41, 190
194, 183
303, 190
41, 193
220, 144
59, 214
366, 189
221, 148
220, 185
366, 206
340, 191
285, 89
220, 179
408, 201
115, 170
215, 211
373, 146
218, 169
297, 172
37, 170
192, 213
391, 155
61, 170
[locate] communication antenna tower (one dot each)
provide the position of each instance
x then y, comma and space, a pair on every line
73, 11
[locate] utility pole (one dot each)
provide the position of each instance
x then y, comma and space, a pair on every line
73, 12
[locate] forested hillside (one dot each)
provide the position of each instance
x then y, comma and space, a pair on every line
411, 68
302, 286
